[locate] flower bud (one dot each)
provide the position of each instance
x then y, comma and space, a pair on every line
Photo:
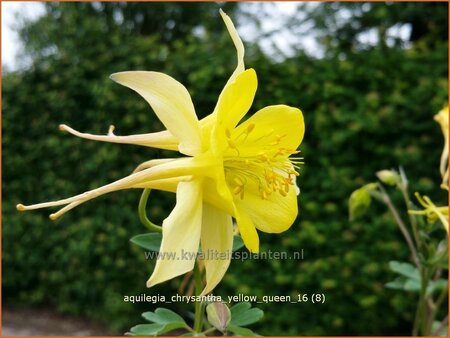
219, 315
389, 177
358, 203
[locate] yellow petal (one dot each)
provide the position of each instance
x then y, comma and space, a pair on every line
269, 130
171, 102
274, 214
162, 176
166, 184
237, 43
209, 121
161, 140
247, 230
152, 163
234, 102
217, 193
217, 244
181, 235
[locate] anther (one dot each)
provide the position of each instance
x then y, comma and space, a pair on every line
264, 157
280, 137
250, 128
231, 144
238, 181
237, 190
227, 133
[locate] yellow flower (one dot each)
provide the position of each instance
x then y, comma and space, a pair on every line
442, 119
230, 171
431, 211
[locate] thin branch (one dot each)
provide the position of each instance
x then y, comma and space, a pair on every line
401, 225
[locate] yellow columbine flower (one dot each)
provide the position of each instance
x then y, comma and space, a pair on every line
431, 211
442, 119
231, 171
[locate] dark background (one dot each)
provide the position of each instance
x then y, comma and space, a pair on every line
366, 106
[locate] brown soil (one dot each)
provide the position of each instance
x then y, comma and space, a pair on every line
46, 322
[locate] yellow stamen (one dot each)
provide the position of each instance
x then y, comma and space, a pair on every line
228, 133
250, 128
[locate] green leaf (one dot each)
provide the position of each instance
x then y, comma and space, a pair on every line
172, 326
155, 329
151, 241
163, 316
405, 269
146, 329
237, 243
241, 331
412, 285
164, 320
238, 308
242, 314
358, 203
397, 284
437, 285
404, 283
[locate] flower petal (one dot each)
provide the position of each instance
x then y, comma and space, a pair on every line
270, 129
217, 193
181, 235
237, 43
235, 101
171, 102
247, 230
217, 244
274, 214
161, 140
209, 121
163, 176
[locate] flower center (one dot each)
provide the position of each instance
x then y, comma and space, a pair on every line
259, 164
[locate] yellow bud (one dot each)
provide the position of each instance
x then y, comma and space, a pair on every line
389, 177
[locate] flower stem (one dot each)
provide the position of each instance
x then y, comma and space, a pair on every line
212, 329
143, 215
198, 321
387, 200
412, 219
423, 306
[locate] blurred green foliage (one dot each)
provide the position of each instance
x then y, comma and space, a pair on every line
366, 108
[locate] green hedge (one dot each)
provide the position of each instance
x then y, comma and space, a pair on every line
367, 111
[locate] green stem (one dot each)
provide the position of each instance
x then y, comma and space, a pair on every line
212, 329
143, 215
387, 200
420, 321
412, 219
198, 321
